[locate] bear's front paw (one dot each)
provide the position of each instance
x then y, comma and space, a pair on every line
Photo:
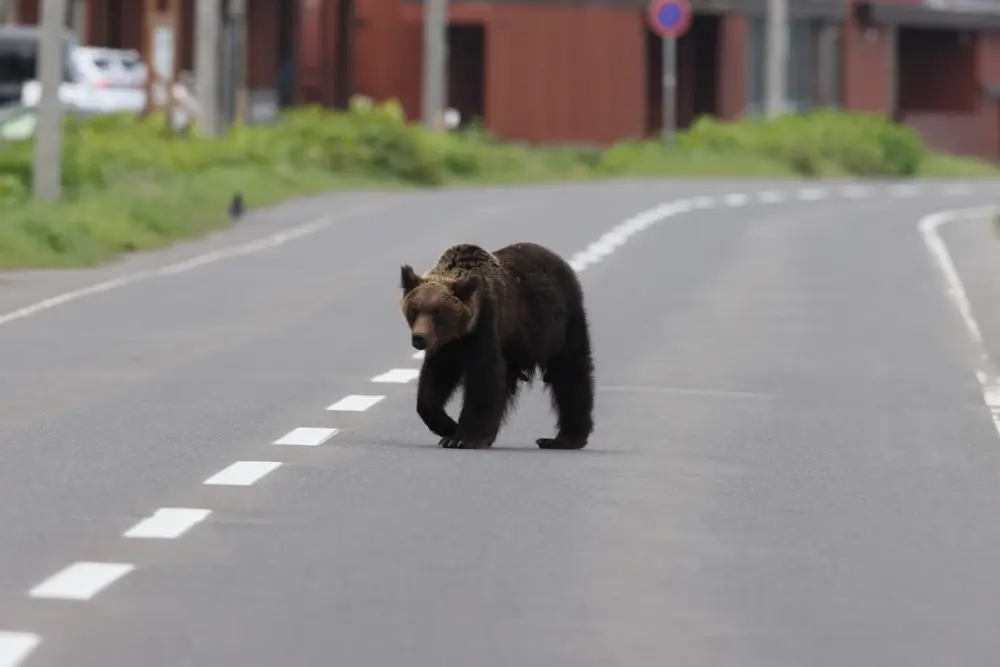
459, 443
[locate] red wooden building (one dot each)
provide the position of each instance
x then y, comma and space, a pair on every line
589, 70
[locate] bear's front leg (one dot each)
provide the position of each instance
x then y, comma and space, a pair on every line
482, 407
439, 377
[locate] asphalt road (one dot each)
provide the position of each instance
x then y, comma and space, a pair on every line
792, 464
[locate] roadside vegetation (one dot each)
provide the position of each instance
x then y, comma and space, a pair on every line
133, 184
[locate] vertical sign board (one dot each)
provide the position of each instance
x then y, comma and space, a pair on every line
669, 19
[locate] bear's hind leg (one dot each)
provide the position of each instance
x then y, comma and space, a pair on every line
515, 376
570, 379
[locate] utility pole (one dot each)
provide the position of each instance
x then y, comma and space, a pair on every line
435, 71
237, 60
208, 22
669, 90
47, 177
776, 58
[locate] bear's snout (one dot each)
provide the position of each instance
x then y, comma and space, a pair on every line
422, 332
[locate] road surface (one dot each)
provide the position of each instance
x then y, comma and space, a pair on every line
792, 465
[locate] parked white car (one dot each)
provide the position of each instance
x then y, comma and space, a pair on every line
100, 80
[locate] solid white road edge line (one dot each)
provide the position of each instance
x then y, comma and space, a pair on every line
16, 646
242, 473
929, 226
168, 523
80, 581
248, 248
307, 436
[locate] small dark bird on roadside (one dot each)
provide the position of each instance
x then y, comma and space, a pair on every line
236, 206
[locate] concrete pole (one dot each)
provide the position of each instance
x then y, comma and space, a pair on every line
47, 179
776, 58
238, 76
208, 30
435, 63
669, 60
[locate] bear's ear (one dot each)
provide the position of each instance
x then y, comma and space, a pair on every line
464, 288
408, 278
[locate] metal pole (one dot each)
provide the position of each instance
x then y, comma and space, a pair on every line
669, 89
435, 63
47, 178
776, 60
5, 10
206, 64
237, 73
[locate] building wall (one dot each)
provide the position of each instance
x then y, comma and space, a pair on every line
314, 74
976, 129
988, 74
566, 74
553, 73
867, 71
732, 66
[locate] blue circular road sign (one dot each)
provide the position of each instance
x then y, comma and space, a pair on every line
669, 18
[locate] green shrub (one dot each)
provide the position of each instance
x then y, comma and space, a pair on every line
376, 140
853, 143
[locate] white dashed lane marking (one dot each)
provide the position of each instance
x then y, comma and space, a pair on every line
307, 436
168, 523
80, 581
856, 191
735, 199
957, 190
355, 403
811, 194
398, 375
242, 473
770, 197
992, 397
16, 646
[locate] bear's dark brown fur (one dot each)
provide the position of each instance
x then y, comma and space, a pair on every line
489, 321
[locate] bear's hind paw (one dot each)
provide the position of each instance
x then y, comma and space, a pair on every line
561, 442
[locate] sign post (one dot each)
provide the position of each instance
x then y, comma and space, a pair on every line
669, 19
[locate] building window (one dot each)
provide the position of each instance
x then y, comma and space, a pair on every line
813, 74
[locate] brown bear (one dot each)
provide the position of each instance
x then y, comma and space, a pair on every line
489, 320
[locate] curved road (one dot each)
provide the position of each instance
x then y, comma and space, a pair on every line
792, 465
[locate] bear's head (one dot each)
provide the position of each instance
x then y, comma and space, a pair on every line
439, 310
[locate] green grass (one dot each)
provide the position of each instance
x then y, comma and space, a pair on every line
939, 165
145, 214
130, 186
